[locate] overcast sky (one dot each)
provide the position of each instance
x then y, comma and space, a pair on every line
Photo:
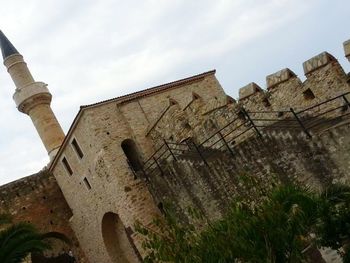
91, 50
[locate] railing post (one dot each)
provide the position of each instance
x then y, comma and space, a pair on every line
144, 173
131, 168
346, 101
225, 142
300, 123
160, 168
171, 152
251, 121
198, 151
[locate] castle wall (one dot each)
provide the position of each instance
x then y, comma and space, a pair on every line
102, 186
37, 199
114, 188
279, 157
325, 79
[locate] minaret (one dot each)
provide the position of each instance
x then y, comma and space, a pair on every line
32, 98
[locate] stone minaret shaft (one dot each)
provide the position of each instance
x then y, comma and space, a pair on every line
32, 98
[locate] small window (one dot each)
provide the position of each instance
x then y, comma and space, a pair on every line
67, 166
87, 184
308, 94
77, 148
172, 102
266, 102
195, 96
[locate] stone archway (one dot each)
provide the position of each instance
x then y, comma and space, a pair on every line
116, 240
60, 251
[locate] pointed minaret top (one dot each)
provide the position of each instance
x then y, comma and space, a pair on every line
6, 46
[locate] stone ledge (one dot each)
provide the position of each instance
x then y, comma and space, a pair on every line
346, 45
24, 97
249, 90
317, 62
278, 77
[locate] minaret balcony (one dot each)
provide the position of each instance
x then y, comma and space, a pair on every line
31, 95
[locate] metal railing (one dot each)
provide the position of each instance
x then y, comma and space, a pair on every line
246, 124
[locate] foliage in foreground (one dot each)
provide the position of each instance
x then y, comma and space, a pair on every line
17, 241
282, 228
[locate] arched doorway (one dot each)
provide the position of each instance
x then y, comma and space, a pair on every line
60, 251
119, 246
130, 150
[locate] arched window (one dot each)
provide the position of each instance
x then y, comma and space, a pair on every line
132, 155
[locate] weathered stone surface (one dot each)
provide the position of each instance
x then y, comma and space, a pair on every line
317, 61
346, 45
37, 199
279, 77
249, 90
100, 133
104, 185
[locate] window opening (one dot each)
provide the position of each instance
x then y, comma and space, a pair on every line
77, 148
266, 102
308, 94
67, 166
195, 96
132, 155
87, 184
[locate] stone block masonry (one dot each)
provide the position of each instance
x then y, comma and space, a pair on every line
38, 200
285, 155
99, 166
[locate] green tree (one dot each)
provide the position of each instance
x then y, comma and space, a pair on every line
275, 230
17, 241
333, 229
278, 230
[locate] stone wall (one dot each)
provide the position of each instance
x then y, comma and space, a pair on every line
279, 156
38, 200
107, 195
112, 192
325, 79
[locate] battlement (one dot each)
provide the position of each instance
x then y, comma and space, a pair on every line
325, 78
249, 90
317, 62
198, 119
279, 77
346, 45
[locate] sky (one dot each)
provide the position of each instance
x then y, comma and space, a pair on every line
88, 51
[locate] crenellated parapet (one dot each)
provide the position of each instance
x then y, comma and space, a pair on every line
279, 77
325, 78
249, 90
346, 45
253, 97
199, 119
284, 89
317, 62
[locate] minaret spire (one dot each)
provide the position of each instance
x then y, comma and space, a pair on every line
32, 98
7, 49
